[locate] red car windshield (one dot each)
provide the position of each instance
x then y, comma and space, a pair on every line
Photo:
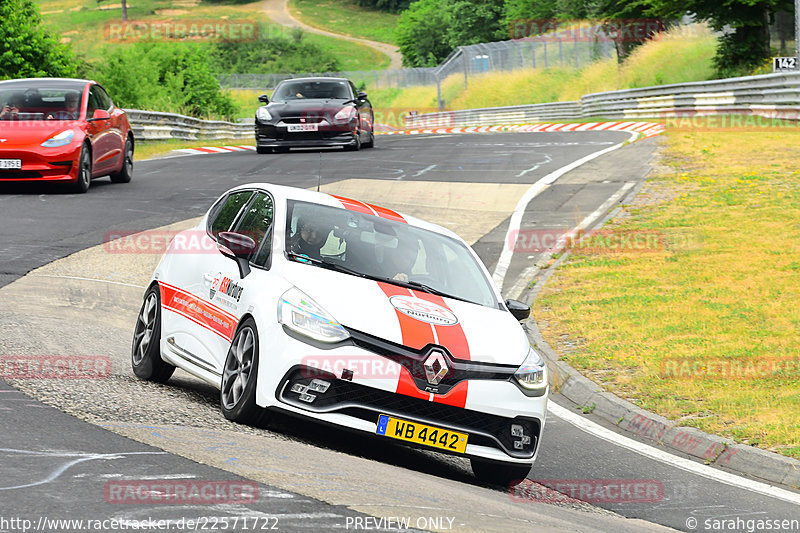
40, 104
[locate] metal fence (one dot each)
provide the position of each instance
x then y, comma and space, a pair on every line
467, 61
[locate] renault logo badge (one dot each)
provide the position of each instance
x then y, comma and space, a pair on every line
435, 367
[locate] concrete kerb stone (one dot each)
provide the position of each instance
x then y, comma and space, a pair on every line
588, 395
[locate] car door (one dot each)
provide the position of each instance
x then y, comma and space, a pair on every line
98, 133
115, 128
199, 327
223, 286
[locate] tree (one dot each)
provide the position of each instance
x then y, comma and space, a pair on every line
747, 44
26, 48
430, 29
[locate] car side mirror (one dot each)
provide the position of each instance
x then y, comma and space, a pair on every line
519, 310
263, 99
238, 247
99, 114
362, 95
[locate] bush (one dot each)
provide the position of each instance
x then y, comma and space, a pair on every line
274, 51
164, 77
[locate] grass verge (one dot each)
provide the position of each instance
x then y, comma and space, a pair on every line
701, 328
347, 18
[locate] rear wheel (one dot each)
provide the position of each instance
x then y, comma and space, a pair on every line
238, 387
126, 172
504, 474
84, 171
146, 350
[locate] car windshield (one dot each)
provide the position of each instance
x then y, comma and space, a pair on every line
311, 90
40, 103
384, 249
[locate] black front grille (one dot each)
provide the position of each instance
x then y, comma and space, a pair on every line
367, 403
19, 174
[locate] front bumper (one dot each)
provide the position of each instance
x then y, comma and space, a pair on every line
355, 401
45, 165
272, 136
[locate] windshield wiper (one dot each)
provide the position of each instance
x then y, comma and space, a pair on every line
302, 258
425, 288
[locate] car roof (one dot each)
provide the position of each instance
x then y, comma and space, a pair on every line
282, 192
315, 78
39, 83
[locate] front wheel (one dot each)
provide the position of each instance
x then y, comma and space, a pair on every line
84, 171
504, 474
356, 146
126, 172
371, 142
146, 351
238, 387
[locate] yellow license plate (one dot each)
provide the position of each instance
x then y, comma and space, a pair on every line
422, 434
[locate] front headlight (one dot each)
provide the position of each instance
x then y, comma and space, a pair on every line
346, 114
262, 114
62, 139
300, 313
532, 374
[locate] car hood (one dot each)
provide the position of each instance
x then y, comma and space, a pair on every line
27, 134
299, 108
414, 318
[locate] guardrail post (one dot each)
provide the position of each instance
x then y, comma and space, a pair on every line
438, 94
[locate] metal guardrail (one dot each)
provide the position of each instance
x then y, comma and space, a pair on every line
157, 126
768, 95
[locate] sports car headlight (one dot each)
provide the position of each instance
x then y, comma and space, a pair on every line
346, 114
532, 374
62, 139
300, 313
263, 115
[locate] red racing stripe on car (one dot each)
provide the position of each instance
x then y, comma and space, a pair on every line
354, 205
457, 395
451, 337
415, 333
406, 386
387, 213
198, 311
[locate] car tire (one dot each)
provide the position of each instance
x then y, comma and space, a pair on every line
84, 171
503, 474
371, 142
356, 146
126, 172
237, 392
146, 347
263, 150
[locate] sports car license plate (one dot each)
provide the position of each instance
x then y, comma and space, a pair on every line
12, 164
302, 127
422, 434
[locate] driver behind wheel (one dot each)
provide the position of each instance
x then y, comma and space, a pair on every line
401, 259
309, 238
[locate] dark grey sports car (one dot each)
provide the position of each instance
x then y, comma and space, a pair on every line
314, 112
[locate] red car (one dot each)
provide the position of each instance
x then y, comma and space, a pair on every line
62, 130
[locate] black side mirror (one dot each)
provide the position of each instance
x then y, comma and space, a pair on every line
263, 98
362, 95
238, 247
518, 309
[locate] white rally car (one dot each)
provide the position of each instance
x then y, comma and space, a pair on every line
350, 314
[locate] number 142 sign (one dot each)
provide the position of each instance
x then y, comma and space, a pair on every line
781, 64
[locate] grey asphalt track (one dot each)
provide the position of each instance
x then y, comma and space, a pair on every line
39, 225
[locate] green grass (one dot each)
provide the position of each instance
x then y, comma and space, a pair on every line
675, 58
82, 24
347, 18
720, 289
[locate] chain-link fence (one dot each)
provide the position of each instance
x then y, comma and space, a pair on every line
467, 61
